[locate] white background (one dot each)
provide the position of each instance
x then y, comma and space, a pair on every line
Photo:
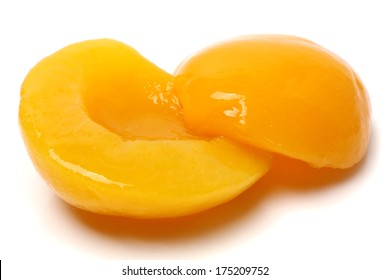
333, 228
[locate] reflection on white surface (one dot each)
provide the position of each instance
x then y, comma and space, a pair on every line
78, 169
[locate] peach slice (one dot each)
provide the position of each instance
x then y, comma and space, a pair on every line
103, 127
279, 93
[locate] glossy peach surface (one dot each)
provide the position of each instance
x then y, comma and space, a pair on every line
278, 93
114, 134
104, 129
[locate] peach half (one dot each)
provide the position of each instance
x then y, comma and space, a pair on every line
279, 93
103, 127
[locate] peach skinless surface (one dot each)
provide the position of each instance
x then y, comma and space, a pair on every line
114, 134
103, 128
279, 93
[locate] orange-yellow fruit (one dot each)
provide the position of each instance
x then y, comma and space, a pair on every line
104, 129
279, 93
